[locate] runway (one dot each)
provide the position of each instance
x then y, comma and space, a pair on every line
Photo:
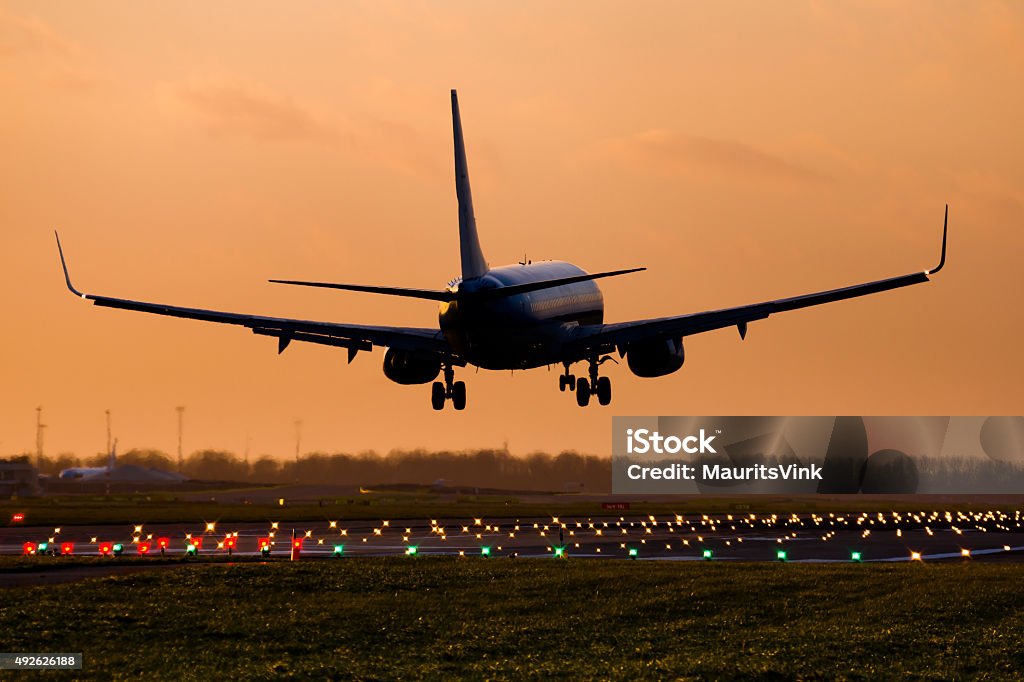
806, 538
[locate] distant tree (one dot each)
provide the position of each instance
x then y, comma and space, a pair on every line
266, 469
154, 459
483, 468
216, 465
54, 465
100, 459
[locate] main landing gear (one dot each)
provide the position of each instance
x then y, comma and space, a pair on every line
456, 390
595, 385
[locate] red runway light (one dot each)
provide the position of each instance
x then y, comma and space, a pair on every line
28, 548
143, 548
264, 543
297, 543
17, 518
230, 543
67, 548
197, 541
105, 548
163, 543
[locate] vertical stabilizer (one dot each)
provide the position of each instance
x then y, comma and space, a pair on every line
473, 263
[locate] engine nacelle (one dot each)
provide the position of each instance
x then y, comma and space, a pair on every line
411, 367
655, 358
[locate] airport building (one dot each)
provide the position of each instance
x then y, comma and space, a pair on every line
18, 478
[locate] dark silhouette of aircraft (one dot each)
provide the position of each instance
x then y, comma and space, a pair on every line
512, 317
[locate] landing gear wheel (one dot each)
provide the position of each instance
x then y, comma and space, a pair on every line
582, 392
566, 381
562, 384
459, 395
604, 390
437, 396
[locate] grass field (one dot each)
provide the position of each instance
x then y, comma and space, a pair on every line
438, 618
165, 508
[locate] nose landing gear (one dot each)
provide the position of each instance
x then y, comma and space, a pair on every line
456, 390
595, 385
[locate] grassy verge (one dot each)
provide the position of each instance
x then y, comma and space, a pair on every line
414, 618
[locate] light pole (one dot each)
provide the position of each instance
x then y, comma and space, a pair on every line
181, 429
39, 436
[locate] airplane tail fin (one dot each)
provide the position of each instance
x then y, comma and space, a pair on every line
473, 263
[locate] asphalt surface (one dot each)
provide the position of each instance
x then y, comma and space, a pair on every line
928, 536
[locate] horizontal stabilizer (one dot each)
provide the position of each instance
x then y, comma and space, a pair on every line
445, 295
515, 289
430, 294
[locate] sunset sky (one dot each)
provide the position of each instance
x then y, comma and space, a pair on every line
187, 152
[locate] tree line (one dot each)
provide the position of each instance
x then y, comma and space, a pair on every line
484, 468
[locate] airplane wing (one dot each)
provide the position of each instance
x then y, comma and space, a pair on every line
354, 337
604, 338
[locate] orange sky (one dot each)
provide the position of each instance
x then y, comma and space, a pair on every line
740, 151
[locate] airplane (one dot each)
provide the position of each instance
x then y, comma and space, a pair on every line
523, 316
91, 473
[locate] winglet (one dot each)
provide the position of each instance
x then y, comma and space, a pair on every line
942, 258
63, 264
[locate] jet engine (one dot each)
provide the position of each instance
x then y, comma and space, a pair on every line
411, 367
655, 357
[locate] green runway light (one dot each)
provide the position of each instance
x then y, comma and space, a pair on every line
707, 554
781, 555
411, 550
118, 548
854, 556
633, 552
559, 552
485, 552
43, 547
190, 549
338, 550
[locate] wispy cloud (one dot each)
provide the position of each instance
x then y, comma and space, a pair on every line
227, 107
19, 34
47, 54
252, 110
666, 152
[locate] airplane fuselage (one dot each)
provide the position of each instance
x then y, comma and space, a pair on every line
525, 330
83, 473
